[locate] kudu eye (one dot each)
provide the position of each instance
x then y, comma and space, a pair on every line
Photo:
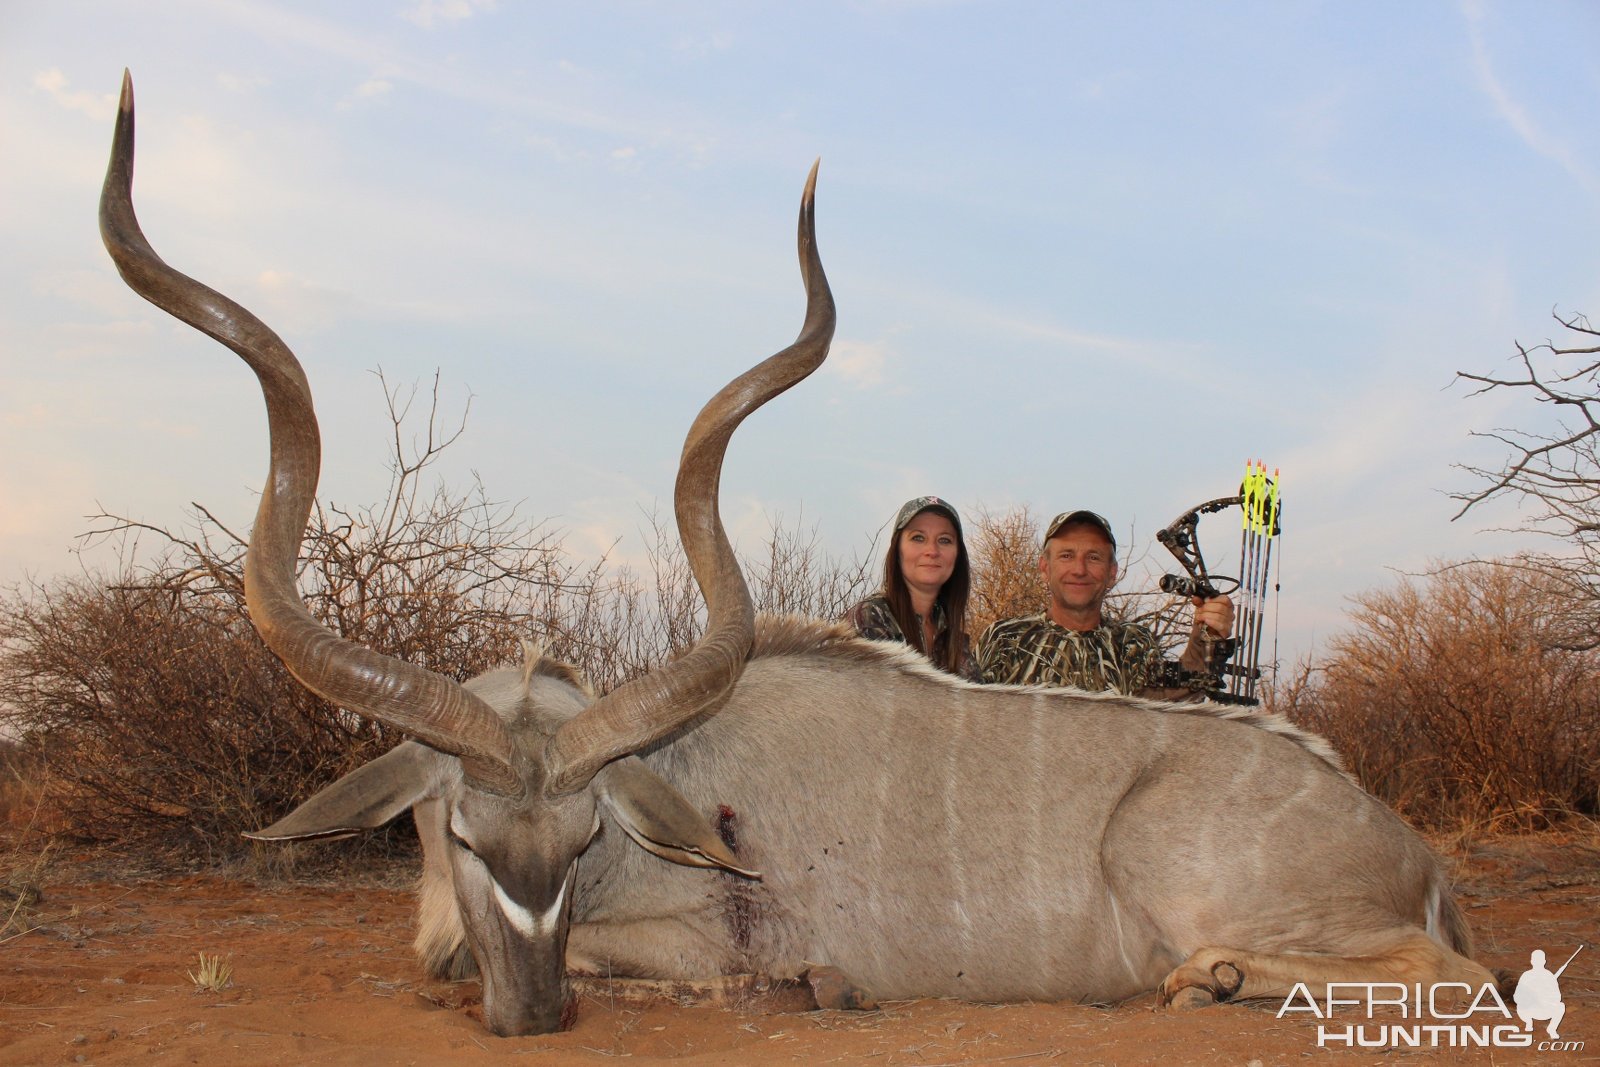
459, 842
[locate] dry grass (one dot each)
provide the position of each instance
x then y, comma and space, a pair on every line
214, 973
20, 897
26, 848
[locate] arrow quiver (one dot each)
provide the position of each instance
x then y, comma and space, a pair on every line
1260, 524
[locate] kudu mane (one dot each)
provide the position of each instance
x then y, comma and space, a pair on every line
800, 637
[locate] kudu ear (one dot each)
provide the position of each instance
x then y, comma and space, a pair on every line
364, 799
659, 820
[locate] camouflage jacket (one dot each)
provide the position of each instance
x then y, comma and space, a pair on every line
872, 619
1123, 656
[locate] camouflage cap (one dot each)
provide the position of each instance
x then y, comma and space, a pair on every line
912, 508
1085, 518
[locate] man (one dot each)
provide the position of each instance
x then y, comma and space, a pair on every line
1071, 643
1538, 994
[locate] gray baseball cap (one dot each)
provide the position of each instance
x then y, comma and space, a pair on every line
1085, 518
912, 508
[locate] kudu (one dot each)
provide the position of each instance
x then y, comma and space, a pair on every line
924, 836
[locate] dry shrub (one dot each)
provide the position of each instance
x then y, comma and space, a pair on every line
155, 717
616, 624
1450, 701
793, 576
24, 864
1004, 552
21, 797
159, 719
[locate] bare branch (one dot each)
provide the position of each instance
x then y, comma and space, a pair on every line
1554, 470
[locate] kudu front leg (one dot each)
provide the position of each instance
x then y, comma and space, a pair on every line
671, 950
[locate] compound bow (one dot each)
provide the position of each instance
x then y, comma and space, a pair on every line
1260, 515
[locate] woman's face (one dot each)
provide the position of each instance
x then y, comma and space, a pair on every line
928, 549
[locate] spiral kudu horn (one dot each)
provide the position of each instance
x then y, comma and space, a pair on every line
432, 708
647, 708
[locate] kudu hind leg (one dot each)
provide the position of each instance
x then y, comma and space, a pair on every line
1217, 974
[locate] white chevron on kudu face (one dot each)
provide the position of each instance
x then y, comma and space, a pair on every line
525, 922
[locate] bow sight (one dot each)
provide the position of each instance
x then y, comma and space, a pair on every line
1257, 500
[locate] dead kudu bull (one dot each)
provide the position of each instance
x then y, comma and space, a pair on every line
924, 836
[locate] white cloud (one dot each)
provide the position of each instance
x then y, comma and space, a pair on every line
329, 36
1515, 115
36, 493
426, 12
860, 363
1177, 361
625, 159
101, 107
1108, 86
77, 341
297, 306
701, 45
373, 89
86, 287
553, 148
239, 83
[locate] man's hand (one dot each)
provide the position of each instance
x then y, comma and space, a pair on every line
1213, 620
1215, 615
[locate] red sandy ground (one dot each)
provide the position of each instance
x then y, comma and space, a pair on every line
326, 976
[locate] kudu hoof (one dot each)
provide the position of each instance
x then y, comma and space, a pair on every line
1226, 981
1505, 982
1189, 998
836, 992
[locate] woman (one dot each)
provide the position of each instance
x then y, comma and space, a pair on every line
926, 579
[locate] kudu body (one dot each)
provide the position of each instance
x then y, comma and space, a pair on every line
823, 799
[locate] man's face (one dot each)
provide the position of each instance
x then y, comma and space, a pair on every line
1079, 567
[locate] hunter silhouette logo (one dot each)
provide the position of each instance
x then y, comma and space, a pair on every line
1538, 993
1442, 1015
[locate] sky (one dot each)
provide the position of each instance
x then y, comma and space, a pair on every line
1086, 254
